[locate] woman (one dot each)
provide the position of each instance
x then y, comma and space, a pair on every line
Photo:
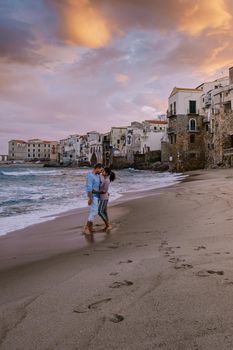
106, 177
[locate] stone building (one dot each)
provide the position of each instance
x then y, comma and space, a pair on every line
200, 128
134, 136
95, 147
107, 158
185, 130
17, 150
218, 120
33, 150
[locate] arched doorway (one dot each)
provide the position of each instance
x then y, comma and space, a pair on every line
93, 159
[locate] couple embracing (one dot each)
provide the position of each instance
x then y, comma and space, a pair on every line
97, 185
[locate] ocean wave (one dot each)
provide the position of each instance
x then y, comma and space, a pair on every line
30, 173
27, 195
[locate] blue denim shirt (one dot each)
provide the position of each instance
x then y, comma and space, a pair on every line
93, 183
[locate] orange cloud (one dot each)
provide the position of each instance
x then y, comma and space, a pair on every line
121, 78
83, 24
204, 14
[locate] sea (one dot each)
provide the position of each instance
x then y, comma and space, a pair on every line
33, 194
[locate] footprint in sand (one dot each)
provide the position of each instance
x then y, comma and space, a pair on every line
93, 306
183, 266
176, 260
226, 282
121, 284
141, 245
205, 273
114, 273
126, 261
98, 303
200, 247
116, 318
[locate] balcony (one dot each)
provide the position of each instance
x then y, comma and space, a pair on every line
192, 112
171, 130
171, 114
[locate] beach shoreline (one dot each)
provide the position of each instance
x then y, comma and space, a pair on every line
161, 279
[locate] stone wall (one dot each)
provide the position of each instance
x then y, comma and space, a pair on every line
120, 162
146, 161
220, 149
186, 148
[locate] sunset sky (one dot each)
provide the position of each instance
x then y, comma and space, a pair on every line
71, 66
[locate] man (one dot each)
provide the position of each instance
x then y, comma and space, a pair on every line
93, 192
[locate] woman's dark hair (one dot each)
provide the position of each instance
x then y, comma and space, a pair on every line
110, 173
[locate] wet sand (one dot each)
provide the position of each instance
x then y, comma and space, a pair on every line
163, 278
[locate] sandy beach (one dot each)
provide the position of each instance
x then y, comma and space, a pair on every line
162, 279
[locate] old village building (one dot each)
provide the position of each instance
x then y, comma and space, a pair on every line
200, 125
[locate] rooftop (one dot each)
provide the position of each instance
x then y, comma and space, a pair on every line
176, 89
18, 141
154, 121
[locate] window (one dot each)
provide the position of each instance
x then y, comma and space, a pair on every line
192, 107
33, 145
13, 154
173, 139
192, 125
192, 138
231, 141
175, 107
171, 112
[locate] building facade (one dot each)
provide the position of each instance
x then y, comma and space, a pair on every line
200, 127
185, 130
17, 150
118, 141
33, 150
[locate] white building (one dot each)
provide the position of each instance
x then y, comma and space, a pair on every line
155, 131
3, 157
42, 150
183, 101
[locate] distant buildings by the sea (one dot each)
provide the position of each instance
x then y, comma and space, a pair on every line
196, 133
117, 148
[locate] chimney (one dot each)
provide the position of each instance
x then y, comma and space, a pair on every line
231, 75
